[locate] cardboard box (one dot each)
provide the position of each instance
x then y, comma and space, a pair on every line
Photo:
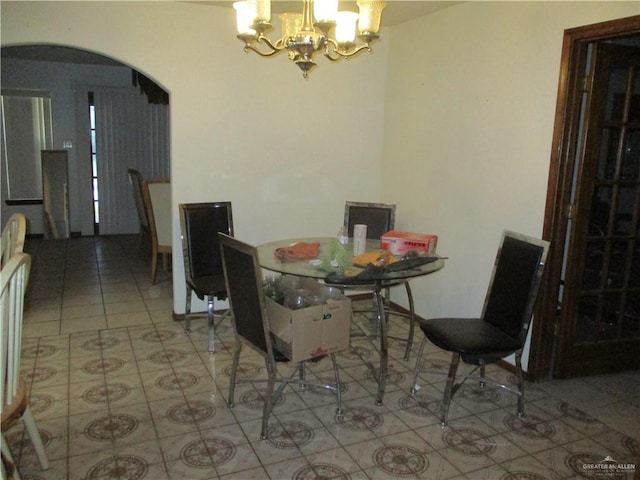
312, 331
399, 243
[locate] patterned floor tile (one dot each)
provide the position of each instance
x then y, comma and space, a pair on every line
145, 399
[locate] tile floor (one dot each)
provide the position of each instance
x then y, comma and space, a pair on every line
120, 391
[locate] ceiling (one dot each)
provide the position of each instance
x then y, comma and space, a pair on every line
396, 12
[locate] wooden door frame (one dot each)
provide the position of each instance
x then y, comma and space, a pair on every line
561, 170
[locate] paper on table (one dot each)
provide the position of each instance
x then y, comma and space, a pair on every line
376, 257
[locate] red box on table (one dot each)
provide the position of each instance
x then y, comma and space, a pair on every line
400, 243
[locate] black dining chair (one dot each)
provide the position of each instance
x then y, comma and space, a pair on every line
200, 224
251, 327
380, 218
501, 329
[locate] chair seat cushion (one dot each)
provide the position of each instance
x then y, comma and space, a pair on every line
209, 285
472, 338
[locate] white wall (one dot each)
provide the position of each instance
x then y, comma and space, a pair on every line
287, 152
468, 130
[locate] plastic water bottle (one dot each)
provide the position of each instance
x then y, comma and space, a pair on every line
343, 236
339, 256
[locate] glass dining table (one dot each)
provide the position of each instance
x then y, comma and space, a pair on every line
374, 280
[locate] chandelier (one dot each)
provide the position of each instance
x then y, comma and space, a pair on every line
320, 28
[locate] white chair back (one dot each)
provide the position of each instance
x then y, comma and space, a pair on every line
160, 196
13, 235
13, 402
13, 283
156, 194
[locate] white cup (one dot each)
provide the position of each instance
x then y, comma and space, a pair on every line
359, 239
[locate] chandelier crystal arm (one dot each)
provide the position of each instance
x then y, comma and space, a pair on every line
274, 48
335, 53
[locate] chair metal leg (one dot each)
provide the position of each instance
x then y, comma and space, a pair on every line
520, 378
384, 354
450, 388
269, 400
414, 385
483, 382
34, 435
211, 324
337, 377
234, 371
412, 322
187, 310
386, 302
302, 376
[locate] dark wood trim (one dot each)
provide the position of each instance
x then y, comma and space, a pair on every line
561, 169
621, 27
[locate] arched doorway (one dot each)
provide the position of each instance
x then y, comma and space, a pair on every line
133, 131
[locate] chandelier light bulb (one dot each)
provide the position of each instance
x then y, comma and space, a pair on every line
370, 15
325, 11
261, 10
244, 18
346, 28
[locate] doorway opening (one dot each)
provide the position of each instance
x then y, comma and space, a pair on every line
107, 127
593, 209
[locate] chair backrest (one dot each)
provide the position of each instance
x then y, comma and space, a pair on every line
13, 235
246, 297
378, 217
13, 283
200, 224
135, 182
515, 282
156, 194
